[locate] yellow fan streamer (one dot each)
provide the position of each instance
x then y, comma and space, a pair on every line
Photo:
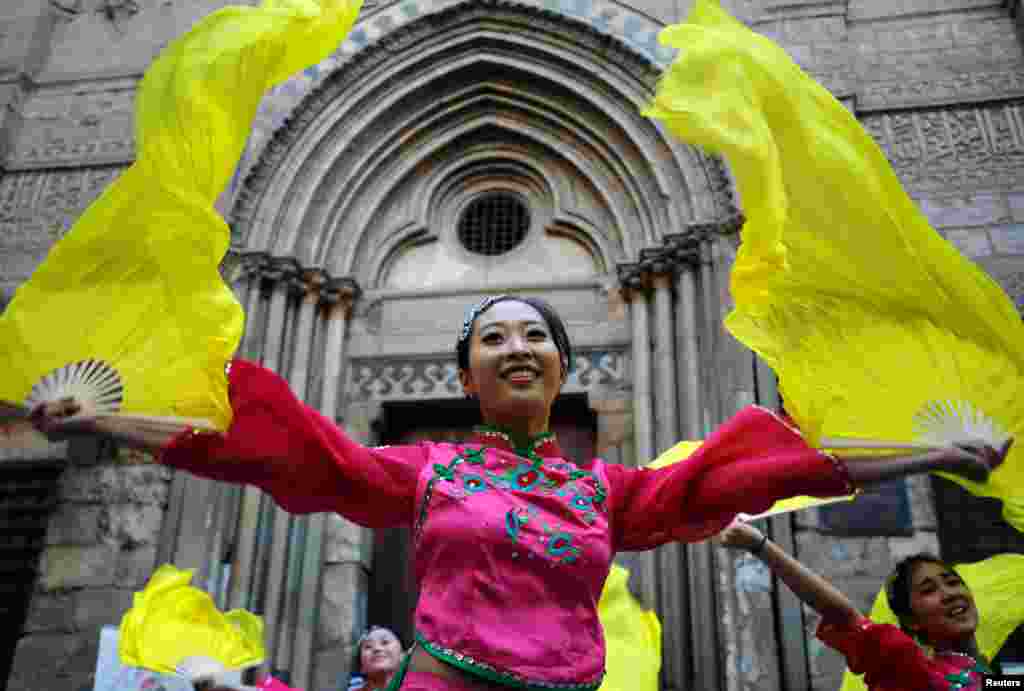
171, 621
632, 637
682, 451
997, 584
135, 282
866, 314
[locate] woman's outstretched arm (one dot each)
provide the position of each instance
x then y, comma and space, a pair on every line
60, 421
972, 461
811, 588
751, 461
281, 445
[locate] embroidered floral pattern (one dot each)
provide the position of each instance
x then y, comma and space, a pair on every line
559, 545
582, 491
473, 483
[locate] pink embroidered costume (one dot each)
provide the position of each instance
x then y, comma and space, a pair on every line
499, 529
890, 660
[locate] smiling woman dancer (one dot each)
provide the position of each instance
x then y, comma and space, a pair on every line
931, 600
512, 541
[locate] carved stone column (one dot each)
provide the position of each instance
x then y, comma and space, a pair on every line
665, 417
255, 265
298, 624
340, 296
707, 653
242, 565
688, 368
671, 564
642, 417
313, 282
281, 272
635, 283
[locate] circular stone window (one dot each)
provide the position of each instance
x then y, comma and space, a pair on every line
494, 224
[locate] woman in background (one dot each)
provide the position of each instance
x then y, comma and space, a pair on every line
933, 649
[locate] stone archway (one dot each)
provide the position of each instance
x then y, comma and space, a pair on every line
480, 84
366, 178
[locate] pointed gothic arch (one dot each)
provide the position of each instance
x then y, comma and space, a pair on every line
364, 160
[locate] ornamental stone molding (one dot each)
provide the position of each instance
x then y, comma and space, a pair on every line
962, 88
617, 21
71, 125
635, 30
956, 148
680, 252
595, 372
238, 266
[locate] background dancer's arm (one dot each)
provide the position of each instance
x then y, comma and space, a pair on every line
869, 648
811, 588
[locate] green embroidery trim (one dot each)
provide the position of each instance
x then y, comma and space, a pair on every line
528, 451
396, 681
963, 679
486, 671
474, 456
958, 681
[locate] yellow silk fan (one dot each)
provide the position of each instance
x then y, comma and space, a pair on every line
128, 314
882, 334
175, 628
632, 637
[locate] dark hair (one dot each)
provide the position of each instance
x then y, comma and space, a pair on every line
898, 585
558, 332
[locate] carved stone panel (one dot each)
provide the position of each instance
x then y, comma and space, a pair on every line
595, 371
956, 148
76, 126
38, 207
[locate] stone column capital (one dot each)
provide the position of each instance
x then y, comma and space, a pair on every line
341, 293
281, 269
314, 280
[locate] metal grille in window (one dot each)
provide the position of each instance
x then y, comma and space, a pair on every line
494, 224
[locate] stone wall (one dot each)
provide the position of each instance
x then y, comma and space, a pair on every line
100, 547
939, 83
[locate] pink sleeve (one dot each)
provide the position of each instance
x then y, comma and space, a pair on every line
870, 649
745, 466
303, 460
